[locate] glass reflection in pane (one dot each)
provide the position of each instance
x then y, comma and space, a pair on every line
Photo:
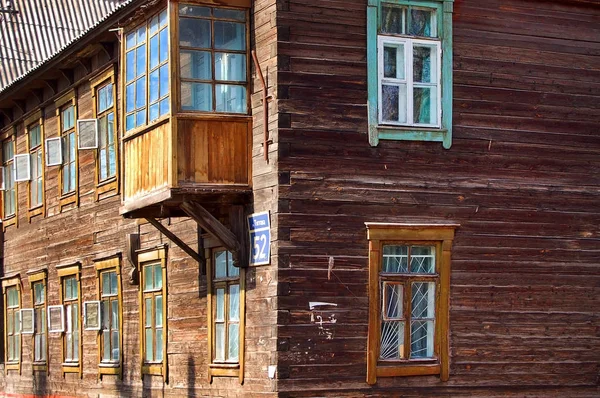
130, 97
149, 348
230, 67
195, 64
220, 306
421, 23
140, 117
115, 346
164, 44
230, 14
157, 276
423, 300
233, 342
234, 302
159, 345
153, 25
194, 11
422, 259
424, 64
106, 342
393, 20
140, 55
395, 259
130, 40
159, 312
421, 339
230, 98
130, 65
230, 35
393, 301
153, 52
221, 264
392, 340
140, 93
164, 106
425, 109
148, 302
153, 112
220, 342
164, 80
196, 96
194, 33
393, 103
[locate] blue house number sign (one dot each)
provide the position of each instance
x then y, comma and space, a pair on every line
259, 225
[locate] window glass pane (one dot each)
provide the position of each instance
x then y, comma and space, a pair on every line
69, 355
164, 80
393, 61
140, 55
159, 311
234, 302
141, 34
130, 122
140, 117
140, 93
164, 106
196, 96
148, 279
425, 105
148, 304
393, 19
230, 35
164, 44
230, 98
110, 127
220, 306
230, 67
113, 283
230, 14
153, 52
421, 23
114, 314
195, 65
393, 103
194, 33
221, 264
153, 90
158, 276
194, 11
159, 345
220, 342
105, 314
153, 112
75, 316
7, 151
422, 259
232, 270
106, 342
424, 64
153, 28
233, 342
106, 283
130, 40
392, 340
115, 346
423, 300
130, 97
149, 347
421, 339
130, 65
395, 259
162, 18
393, 301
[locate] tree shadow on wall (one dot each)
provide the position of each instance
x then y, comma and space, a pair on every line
191, 382
40, 384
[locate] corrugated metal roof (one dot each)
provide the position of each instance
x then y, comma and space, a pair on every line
42, 29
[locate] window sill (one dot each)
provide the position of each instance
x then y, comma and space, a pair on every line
35, 211
104, 189
408, 370
8, 221
67, 199
12, 366
224, 369
143, 129
109, 369
39, 366
409, 133
152, 369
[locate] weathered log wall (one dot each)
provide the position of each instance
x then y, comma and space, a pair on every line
521, 178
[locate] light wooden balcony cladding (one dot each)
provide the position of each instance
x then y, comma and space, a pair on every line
206, 159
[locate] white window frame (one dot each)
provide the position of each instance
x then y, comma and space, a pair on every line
408, 44
86, 324
52, 308
54, 144
16, 169
79, 135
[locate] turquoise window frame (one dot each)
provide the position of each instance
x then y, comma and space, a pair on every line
377, 132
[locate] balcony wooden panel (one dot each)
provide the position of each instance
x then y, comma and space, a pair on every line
147, 161
213, 151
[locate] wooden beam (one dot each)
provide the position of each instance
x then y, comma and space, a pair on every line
20, 104
209, 223
38, 94
238, 223
86, 64
8, 113
52, 85
108, 48
68, 74
175, 239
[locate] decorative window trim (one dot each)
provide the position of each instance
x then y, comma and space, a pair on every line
224, 369
32, 121
13, 281
110, 186
103, 265
66, 199
65, 272
148, 256
12, 219
378, 131
39, 276
442, 236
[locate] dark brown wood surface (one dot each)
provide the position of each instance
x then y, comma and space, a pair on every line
521, 178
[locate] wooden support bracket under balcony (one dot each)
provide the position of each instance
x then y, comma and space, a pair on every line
234, 242
175, 239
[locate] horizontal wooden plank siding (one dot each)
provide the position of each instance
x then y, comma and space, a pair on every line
522, 178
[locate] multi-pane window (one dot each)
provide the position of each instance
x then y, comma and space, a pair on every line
71, 303
109, 301
13, 335
10, 199
409, 278
409, 60
212, 58
147, 81
107, 145
69, 166
408, 284
153, 309
39, 331
35, 151
226, 308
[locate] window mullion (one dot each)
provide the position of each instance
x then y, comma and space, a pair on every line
408, 56
407, 317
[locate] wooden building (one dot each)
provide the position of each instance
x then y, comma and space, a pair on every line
425, 173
